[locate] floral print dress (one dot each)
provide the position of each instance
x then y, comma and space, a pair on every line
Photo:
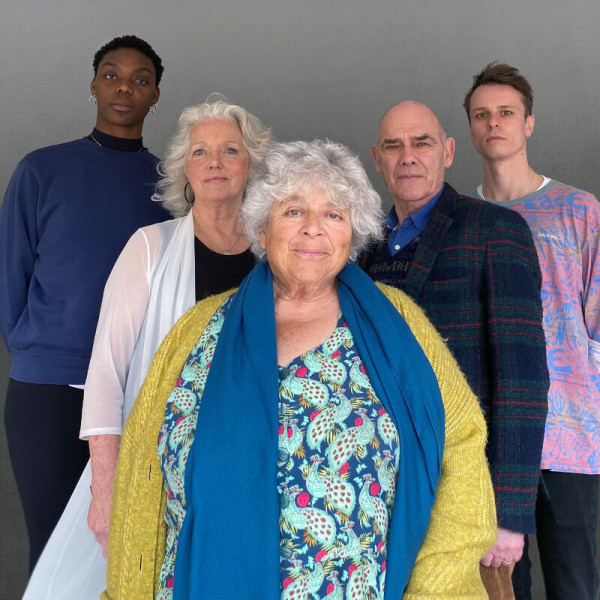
337, 468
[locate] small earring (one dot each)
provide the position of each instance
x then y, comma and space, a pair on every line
185, 193
154, 107
92, 99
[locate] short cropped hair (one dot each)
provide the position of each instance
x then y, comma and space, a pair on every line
255, 135
502, 74
134, 42
292, 167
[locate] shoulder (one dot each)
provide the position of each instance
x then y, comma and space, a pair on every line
482, 219
486, 212
190, 326
43, 159
573, 196
162, 230
421, 327
405, 305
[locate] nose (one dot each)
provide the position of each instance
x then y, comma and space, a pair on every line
408, 157
215, 160
124, 87
493, 121
312, 224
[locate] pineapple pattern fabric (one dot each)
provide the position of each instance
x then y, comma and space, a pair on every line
337, 464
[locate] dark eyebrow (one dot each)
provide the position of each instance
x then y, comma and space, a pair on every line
390, 141
500, 106
115, 65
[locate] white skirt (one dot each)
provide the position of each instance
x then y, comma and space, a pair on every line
71, 565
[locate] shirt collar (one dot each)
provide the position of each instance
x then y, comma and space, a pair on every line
419, 218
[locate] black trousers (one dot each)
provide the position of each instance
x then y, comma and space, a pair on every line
566, 536
42, 428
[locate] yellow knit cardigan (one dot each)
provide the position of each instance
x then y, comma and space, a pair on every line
463, 520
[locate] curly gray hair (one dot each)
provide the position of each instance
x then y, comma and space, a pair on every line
256, 136
298, 166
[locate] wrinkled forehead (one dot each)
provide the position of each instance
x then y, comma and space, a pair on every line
314, 185
411, 121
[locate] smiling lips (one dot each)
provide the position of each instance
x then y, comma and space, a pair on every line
310, 253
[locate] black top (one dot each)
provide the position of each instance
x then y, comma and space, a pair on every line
216, 273
116, 143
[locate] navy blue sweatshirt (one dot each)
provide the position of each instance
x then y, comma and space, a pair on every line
67, 213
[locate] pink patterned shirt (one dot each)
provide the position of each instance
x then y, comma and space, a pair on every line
565, 223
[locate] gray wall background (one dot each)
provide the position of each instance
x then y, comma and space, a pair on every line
307, 68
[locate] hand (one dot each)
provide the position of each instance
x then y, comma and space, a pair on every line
104, 450
99, 518
507, 549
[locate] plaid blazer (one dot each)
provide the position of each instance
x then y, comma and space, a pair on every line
476, 274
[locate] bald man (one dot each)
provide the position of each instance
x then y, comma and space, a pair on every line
473, 268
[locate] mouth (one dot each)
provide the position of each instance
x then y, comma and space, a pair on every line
494, 138
121, 106
215, 179
310, 253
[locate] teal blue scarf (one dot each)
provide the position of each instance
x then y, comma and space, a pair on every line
229, 545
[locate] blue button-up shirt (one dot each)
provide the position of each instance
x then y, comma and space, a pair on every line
403, 234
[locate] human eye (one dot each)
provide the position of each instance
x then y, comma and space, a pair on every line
198, 152
335, 216
507, 113
480, 115
389, 147
292, 211
141, 81
110, 75
232, 151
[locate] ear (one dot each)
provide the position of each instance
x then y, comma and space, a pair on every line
262, 240
93, 86
375, 153
156, 96
449, 147
529, 125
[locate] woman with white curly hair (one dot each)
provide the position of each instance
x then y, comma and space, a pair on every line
163, 270
308, 435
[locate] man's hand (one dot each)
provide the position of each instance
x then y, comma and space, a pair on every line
507, 549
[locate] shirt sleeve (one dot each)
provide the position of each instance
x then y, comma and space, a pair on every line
18, 242
122, 314
463, 521
591, 276
517, 361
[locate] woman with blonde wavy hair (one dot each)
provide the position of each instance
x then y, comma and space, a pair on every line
166, 268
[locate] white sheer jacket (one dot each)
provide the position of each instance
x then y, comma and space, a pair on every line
151, 285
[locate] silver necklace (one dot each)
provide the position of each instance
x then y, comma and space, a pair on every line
520, 196
101, 146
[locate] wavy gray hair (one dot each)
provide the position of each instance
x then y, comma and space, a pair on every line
298, 166
255, 135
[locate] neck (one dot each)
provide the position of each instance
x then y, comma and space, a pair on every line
219, 227
116, 143
304, 298
407, 208
508, 180
132, 132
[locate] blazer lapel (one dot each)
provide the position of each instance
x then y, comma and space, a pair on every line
430, 244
